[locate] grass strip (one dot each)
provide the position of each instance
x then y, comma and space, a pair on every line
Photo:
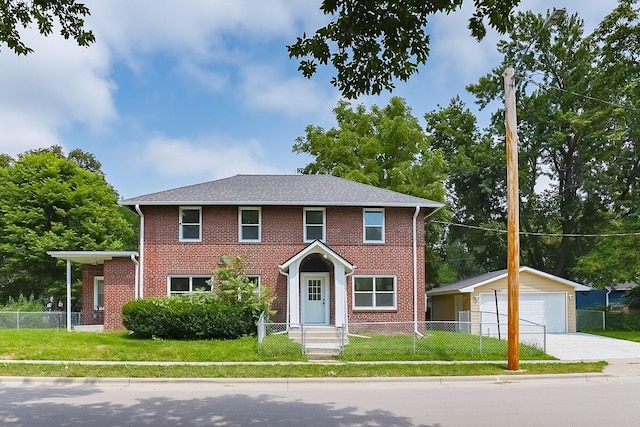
311, 370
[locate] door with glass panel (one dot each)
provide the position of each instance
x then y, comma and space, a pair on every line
315, 299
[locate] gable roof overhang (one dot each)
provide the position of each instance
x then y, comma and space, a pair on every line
317, 247
469, 285
91, 257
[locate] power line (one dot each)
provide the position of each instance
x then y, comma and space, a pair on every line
591, 98
527, 233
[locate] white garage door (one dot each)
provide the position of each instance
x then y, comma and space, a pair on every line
548, 309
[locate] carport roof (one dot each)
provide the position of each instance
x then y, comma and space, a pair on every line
468, 285
91, 257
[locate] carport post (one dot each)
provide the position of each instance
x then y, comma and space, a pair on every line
68, 295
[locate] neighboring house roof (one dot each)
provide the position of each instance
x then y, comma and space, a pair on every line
468, 285
622, 286
300, 190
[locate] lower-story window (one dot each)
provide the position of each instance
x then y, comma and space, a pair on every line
374, 292
98, 293
185, 284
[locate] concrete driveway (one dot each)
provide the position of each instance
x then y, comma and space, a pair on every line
581, 346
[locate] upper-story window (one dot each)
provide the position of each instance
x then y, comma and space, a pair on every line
314, 224
190, 224
373, 225
249, 220
186, 284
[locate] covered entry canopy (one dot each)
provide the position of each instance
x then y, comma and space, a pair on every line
87, 257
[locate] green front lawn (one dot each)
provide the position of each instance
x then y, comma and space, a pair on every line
50, 344
435, 345
55, 345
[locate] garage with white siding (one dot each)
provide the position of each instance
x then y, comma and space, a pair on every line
544, 299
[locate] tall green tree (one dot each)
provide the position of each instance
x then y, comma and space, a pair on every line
567, 142
616, 259
373, 43
385, 147
16, 15
475, 190
50, 202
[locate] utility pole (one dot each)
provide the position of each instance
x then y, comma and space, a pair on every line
513, 220
513, 208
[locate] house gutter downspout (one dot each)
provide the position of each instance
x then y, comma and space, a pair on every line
284, 273
346, 309
415, 271
137, 271
141, 252
606, 297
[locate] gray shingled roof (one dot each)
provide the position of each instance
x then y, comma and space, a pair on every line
467, 282
319, 190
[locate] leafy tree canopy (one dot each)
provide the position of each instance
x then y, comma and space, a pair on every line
50, 202
373, 43
385, 147
16, 15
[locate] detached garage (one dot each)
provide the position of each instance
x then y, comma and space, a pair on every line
544, 299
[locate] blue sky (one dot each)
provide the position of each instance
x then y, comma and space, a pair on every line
176, 93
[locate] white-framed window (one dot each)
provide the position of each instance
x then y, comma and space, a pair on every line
255, 279
190, 224
185, 284
249, 224
373, 225
314, 224
374, 292
98, 293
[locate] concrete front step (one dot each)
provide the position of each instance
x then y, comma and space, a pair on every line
321, 342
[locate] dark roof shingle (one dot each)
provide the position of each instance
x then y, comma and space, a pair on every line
320, 190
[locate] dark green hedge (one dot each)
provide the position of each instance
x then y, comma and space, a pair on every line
189, 317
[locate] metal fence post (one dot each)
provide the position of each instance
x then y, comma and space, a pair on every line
17, 320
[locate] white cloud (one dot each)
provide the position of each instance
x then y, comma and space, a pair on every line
57, 85
204, 159
264, 87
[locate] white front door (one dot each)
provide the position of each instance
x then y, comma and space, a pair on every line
315, 298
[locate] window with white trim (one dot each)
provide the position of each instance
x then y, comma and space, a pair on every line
314, 224
374, 292
190, 224
373, 225
249, 220
186, 284
98, 293
255, 279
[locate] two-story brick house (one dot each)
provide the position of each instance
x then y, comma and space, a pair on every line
333, 251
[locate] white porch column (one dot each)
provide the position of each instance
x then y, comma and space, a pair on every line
293, 292
68, 295
340, 293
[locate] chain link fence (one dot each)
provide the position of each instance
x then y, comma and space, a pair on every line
37, 319
430, 340
590, 320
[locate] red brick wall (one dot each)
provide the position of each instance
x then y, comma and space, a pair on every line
119, 288
89, 315
282, 238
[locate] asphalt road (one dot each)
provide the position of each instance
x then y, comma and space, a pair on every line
579, 401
